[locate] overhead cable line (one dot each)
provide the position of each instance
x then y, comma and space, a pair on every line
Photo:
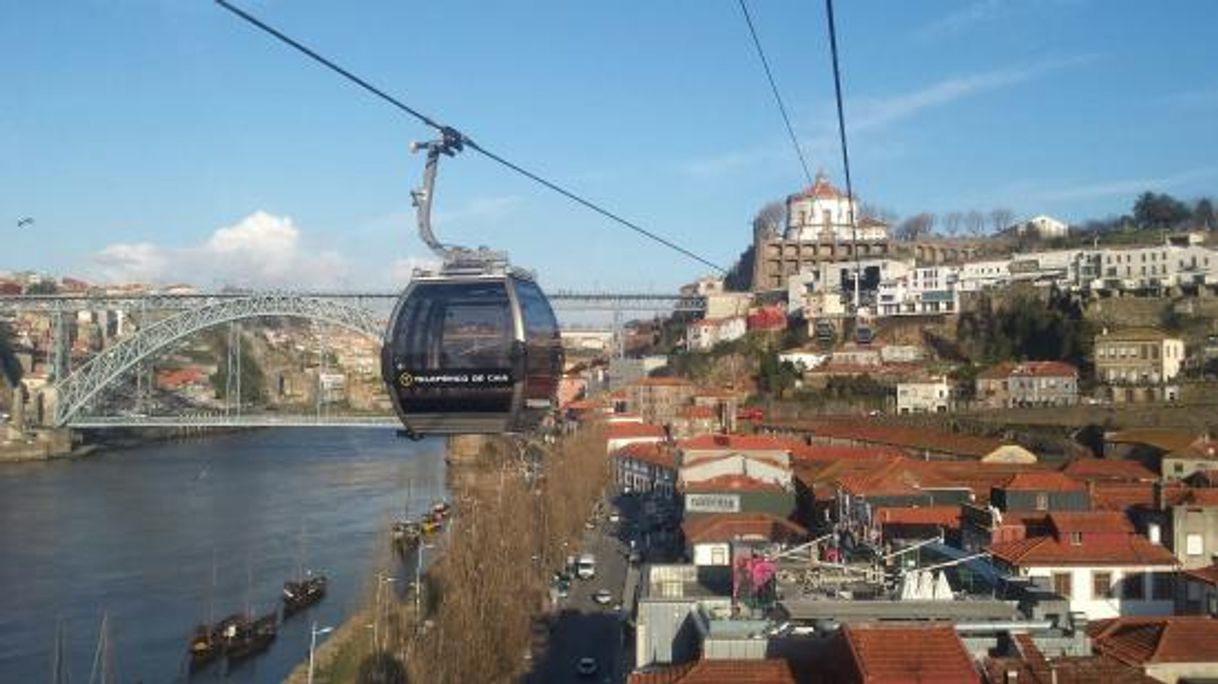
782, 109
841, 129
452, 133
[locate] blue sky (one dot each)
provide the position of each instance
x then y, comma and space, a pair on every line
165, 139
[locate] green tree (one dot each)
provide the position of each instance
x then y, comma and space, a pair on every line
1153, 210
42, 287
1204, 215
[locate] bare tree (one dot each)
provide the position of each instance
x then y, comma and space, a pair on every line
1000, 219
951, 222
916, 227
770, 219
974, 222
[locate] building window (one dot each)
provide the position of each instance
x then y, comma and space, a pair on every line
1101, 585
1042, 501
1193, 545
1076, 538
1061, 583
1162, 586
1134, 586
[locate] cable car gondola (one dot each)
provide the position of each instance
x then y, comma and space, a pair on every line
473, 348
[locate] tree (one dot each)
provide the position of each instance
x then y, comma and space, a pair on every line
1203, 214
770, 219
951, 222
915, 227
42, 287
1153, 210
739, 277
1000, 219
974, 222
10, 369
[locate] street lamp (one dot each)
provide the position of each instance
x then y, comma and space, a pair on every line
381, 580
418, 584
313, 634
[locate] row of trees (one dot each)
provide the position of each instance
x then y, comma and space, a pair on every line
973, 223
489, 586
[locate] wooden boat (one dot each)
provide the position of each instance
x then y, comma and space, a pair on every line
298, 595
430, 523
252, 639
442, 509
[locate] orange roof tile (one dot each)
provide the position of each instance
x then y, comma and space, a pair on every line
719, 672
1208, 574
733, 443
1139, 641
908, 438
1166, 439
727, 526
628, 430
884, 654
1130, 549
1109, 522
1205, 496
649, 452
1045, 480
1108, 469
732, 482
696, 412
944, 516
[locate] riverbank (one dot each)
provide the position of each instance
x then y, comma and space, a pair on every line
43, 445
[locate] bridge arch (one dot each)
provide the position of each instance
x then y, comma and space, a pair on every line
75, 391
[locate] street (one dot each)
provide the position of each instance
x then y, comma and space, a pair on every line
581, 627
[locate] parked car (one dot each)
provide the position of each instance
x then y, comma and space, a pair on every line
615, 517
585, 567
586, 667
603, 597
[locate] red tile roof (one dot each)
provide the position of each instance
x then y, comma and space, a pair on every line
821, 452
1121, 496
1109, 469
1200, 449
943, 516
1165, 439
696, 412
1139, 641
1208, 574
904, 654
649, 452
1044, 369
1065, 670
733, 443
1042, 481
1105, 522
628, 430
727, 526
997, 372
719, 672
909, 438
1205, 496
1130, 549
732, 483
879, 484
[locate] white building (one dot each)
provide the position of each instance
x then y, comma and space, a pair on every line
931, 396
822, 213
1044, 227
703, 335
1095, 561
976, 276
1152, 268
924, 290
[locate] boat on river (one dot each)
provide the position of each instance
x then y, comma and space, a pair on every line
208, 642
298, 595
251, 639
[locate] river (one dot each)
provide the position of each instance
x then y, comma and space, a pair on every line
136, 533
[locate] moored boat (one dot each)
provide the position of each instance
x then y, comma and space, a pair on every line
253, 638
298, 595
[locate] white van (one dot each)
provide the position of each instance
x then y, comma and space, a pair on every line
585, 567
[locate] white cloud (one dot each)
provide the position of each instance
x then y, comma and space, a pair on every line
976, 13
1120, 187
879, 112
875, 113
261, 250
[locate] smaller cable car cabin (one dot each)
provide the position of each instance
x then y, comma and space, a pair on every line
472, 353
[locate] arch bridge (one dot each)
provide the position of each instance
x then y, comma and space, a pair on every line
75, 391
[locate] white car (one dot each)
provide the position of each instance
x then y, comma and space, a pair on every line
615, 517
603, 597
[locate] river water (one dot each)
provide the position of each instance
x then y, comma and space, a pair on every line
136, 533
